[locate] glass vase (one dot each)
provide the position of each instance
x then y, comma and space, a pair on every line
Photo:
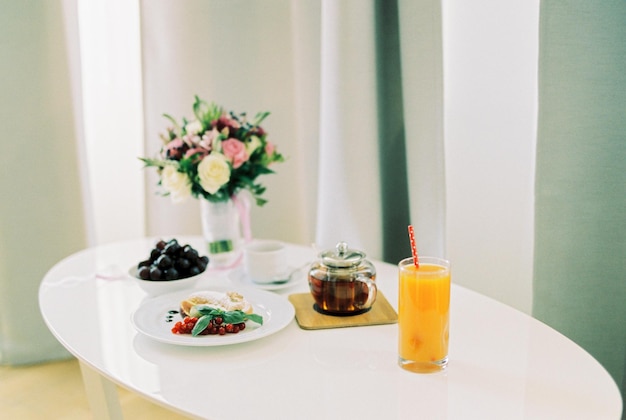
223, 232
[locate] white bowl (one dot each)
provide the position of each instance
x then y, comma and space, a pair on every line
161, 287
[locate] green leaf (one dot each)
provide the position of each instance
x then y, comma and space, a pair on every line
258, 119
200, 108
187, 164
159, 163
201, 324
173, 121
234, 317
255, 318
208, 310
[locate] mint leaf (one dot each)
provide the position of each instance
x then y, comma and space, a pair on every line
208, 310
238, 316
201, 324
255, 318
234, 317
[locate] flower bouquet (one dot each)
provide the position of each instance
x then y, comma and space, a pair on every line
215, 155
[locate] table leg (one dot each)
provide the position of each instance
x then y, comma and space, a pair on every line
102, 395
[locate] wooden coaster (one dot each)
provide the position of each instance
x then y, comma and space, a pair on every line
309, 318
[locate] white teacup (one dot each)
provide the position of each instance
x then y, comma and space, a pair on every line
265, 261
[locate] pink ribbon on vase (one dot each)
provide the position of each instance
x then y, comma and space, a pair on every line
243, 207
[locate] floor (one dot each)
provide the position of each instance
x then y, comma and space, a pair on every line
55, 391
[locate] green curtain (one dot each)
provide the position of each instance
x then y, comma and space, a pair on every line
393, 165
580, 203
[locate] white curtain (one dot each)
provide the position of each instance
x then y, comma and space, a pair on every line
349, 195
41, 212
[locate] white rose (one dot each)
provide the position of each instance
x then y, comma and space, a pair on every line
214, 172
176, 183
193, 127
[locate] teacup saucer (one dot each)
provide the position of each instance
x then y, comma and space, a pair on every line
239, 277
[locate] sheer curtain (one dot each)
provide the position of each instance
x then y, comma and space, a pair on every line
41, 212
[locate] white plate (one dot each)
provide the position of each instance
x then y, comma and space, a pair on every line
239, 278
153, 318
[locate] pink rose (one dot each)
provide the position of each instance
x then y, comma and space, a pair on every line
235, 151
269, 148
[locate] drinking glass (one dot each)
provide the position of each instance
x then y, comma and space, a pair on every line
423, 314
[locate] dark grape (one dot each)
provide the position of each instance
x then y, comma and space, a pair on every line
182, 264
190, 253
172, 248
145, 263
164, 261
154, 254
144, 272
171, 274
155, 273
171, 261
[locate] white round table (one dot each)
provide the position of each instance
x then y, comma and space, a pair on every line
503, 363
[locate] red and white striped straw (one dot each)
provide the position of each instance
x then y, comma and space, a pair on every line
416, 261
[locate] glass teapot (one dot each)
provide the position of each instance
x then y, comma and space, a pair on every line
342, 281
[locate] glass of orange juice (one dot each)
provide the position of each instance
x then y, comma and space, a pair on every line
423, 314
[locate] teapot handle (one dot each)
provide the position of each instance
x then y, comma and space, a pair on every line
372, 291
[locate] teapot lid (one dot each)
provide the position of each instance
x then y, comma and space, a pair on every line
342, 256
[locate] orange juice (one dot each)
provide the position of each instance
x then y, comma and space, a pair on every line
423, 314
